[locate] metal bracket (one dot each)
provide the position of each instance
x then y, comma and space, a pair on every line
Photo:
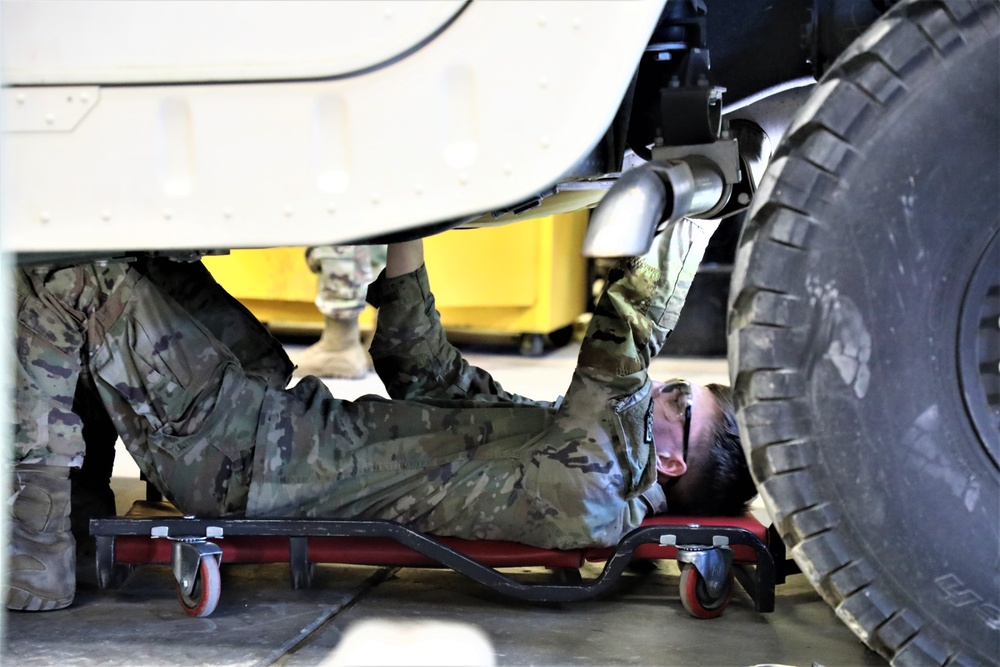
724, 154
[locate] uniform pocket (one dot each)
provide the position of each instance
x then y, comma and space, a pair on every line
164, 365
633, 421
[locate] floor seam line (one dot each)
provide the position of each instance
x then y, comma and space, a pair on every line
280, 655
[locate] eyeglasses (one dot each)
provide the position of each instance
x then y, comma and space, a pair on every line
685, 398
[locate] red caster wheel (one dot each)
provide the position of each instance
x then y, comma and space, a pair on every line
205, 590
695, 595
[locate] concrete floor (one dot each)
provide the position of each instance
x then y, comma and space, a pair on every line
262, 621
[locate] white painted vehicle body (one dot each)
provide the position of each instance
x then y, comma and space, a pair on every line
190, 125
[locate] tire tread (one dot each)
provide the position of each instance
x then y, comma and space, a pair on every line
767, 318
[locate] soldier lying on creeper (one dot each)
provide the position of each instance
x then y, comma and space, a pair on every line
196, 388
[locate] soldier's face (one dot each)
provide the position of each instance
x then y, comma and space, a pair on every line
670, 400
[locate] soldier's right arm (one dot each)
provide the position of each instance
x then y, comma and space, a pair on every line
410, 351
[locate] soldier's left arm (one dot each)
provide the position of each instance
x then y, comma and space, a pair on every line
595, 477
641, 306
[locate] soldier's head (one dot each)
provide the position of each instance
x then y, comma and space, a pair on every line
700, 461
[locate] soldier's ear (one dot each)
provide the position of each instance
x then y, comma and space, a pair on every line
666, 438
670, 464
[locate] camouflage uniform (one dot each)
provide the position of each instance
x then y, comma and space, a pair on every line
62, 320
344, 273
48, 360
452, 454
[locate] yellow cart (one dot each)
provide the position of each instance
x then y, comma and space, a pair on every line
526, 280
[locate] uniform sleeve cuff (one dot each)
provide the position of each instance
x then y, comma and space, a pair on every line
410, 287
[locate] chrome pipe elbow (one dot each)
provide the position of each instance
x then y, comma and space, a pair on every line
626, 220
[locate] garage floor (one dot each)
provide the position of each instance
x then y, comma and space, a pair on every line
262, 621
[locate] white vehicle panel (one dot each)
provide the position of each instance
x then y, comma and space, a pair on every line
163, 41
487, 113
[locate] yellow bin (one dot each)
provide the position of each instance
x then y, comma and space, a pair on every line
525, 279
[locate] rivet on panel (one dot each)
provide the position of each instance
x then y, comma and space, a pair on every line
44, 217
167, 214
105, 215
418, 189
376, 198
85, 98
288, 211
227, 212
542, 20
507, 169
49, 119
331, 209
577, 23
463, 179
69, 99
544, 142
543, 82
387, 13
20, 99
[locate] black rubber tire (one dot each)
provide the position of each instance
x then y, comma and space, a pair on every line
864, 340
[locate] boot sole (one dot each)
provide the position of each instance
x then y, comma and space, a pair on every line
20, 600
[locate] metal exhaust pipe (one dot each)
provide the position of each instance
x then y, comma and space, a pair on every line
626, 220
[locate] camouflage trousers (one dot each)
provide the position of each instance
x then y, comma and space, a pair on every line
344, 273
115, 330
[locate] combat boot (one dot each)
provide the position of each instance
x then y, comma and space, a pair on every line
42, 571
337, 354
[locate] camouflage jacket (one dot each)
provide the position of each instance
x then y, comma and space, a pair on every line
455, 454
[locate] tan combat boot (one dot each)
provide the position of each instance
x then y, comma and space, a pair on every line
337, 354
42, 571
